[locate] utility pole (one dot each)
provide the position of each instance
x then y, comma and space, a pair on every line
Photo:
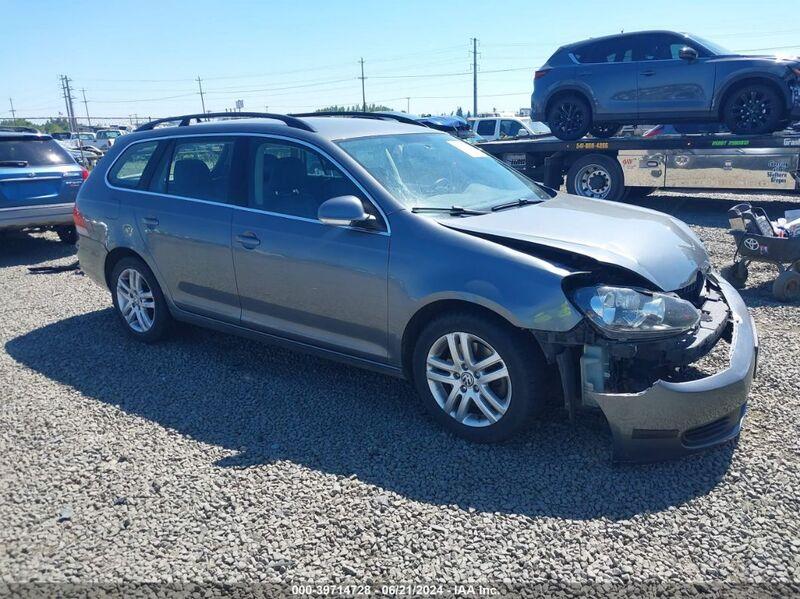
73, 122
202, 99
13, 112
86, 106
474, 76
363, 93
408, 105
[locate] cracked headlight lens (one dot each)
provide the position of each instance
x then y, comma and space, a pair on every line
623, 311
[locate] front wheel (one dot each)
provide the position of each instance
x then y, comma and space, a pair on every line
604, 131
478, 377
753, 110
569, 117
596, 176
139, 301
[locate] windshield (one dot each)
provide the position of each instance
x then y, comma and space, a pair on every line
108, 134
711, 46
86, 136
439, 171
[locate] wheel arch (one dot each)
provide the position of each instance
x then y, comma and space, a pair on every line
113, 257
570, 91
750, 79
433, 310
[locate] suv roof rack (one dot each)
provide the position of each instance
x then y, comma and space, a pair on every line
186, 119
363, 115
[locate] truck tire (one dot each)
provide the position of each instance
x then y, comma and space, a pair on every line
569, 117
596, 176
753, 109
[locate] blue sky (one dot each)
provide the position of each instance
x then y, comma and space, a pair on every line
143, 57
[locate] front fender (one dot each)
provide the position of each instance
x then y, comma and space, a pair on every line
729, 80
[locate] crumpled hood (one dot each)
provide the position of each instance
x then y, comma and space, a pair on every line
656, 246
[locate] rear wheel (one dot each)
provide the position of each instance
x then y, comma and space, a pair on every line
478, 377
605, 130
596, 176
569, 117
67, 235
753, 110
138, 299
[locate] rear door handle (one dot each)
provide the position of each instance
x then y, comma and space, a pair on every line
150, 222
248, 240
647, 73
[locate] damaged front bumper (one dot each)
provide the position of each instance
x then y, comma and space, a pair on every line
672, 419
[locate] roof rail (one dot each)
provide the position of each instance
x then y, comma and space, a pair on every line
363, 115
186, 119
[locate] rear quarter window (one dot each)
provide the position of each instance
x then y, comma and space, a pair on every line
129, 167
34, 152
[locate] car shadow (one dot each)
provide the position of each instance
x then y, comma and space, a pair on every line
21, 249
267, 404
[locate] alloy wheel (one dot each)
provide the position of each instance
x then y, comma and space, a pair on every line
135, 299
752, 109
468, 379
570, 118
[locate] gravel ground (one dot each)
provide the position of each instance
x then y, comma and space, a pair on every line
212, 459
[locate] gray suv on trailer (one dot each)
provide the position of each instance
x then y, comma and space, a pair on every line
599, 85
402, 249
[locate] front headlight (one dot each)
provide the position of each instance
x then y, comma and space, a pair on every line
622, 311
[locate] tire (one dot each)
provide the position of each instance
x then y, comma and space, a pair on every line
569, 117
521, 394
154, 306
736, 274
67, 235
596, 176
786, 287
753, 110
605, 130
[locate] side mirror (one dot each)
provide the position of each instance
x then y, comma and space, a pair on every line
687, 53
342, 211
523, 133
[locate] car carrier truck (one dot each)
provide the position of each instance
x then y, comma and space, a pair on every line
612, 168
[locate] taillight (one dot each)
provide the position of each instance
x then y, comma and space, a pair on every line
84, 173
540, 73
81, 224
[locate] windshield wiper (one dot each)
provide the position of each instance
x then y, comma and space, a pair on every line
452, 210
20, 163
516, 204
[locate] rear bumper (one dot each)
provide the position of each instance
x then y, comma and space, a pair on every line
47, 215
92, 259
670, 420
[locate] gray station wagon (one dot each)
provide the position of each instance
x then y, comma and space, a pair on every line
395, 247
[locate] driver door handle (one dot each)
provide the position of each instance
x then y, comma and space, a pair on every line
248, 240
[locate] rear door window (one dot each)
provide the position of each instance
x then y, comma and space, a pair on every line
129, 167
197, 168
486, 128
32, 152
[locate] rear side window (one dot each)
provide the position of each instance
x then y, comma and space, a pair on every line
486, 127
560, 59
33, 152
197, 168
612, 50
128, 169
